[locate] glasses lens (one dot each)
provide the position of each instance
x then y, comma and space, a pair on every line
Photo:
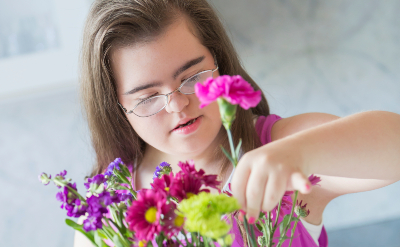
188, 86
150, 106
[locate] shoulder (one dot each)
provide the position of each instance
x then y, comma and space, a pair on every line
288, 126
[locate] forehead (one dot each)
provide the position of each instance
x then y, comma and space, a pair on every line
158, 58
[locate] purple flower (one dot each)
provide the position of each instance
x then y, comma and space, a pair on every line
71, 202
111, 166
60, 178
62, 174
76, 209
92, 223
65, 196
163, 168
97, 180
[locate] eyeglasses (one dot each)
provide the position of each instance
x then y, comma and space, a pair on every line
154, 104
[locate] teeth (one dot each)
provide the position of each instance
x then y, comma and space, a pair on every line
188, 123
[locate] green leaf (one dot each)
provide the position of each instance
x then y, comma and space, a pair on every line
117, 241
227, 155
286, 220
238, 148
98, 239
89, 235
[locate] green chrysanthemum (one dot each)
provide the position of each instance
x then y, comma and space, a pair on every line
203, 213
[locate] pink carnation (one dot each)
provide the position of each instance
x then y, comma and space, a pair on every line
234, 89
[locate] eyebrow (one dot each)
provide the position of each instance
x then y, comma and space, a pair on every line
186, 66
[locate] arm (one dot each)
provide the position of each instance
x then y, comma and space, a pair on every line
355, 153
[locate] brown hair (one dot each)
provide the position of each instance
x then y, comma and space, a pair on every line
113, 23
122, 22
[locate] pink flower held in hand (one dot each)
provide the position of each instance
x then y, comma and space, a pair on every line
234, 89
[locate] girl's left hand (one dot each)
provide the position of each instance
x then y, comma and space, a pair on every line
264, 174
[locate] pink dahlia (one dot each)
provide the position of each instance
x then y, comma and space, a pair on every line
163, 184
234, 89
144, 215
172, 223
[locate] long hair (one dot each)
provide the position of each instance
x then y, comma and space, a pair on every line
118, 23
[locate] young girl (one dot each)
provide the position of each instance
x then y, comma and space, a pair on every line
140, 61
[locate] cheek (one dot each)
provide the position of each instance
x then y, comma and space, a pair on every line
145, 127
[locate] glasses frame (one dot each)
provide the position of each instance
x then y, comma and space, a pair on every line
168, 94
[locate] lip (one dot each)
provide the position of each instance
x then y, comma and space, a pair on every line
190, 128
183, 121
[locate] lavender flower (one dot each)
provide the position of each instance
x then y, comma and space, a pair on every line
163, 168
44, 178
111, 166
60, 180
92, 223
96, 184
71, 202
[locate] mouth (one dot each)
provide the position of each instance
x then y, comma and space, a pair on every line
190, 122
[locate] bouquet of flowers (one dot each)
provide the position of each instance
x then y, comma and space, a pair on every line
179, 210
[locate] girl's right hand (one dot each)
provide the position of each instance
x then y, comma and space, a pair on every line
264, 174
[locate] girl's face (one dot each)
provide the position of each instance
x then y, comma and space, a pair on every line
163, 64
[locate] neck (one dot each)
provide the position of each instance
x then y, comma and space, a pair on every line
203, 160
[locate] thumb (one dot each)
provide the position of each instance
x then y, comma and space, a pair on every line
300, 182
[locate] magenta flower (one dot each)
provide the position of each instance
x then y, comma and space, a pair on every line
144, 215
234, 89
207, 180
164, 183
301, 210
189, 181
172, 223
314, 180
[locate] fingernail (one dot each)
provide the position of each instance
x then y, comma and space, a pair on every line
252, 220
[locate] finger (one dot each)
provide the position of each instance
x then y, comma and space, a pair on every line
274, 191
239, 182
300, 182
255, 194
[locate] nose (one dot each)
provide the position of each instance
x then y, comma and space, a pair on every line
176, 102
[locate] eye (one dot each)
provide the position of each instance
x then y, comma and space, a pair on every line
193, 78
145, 98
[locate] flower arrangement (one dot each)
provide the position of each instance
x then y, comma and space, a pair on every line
179, 209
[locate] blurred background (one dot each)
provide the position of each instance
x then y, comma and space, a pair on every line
339, 57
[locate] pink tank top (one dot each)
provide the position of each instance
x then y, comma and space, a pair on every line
303, 239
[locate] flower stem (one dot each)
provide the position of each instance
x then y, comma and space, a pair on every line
294, 228
232, 147
285, 228
76, 193
246, 226
177, 240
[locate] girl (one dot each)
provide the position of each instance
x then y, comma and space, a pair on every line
140, 61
